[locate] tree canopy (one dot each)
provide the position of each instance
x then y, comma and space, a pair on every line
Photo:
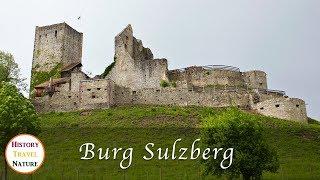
17, 114
10, 72
243, 132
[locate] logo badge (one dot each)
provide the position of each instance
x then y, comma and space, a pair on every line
25, 153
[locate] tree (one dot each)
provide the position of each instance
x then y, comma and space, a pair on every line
243, 132
10, 72
17, 116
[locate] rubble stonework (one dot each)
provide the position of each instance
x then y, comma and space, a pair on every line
136, 76
134, 64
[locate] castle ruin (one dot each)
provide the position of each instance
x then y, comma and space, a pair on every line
135, 77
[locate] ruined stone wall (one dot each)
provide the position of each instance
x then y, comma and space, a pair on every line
284, 108
290, 108
96, 94
59, 102
144, 74
63, 87
93, 94
135, 67
267, 96
149, 73
103, 93
198, 76
91, 98
255, 79
123, 95
76, 78
183, 97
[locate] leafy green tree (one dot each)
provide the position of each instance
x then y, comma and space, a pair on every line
10, 72
243, 132
17, 116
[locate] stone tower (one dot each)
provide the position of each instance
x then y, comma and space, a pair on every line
135, 66
55, 46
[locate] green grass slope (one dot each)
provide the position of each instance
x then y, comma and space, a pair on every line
297, 144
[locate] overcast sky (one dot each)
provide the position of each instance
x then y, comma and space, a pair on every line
280, 37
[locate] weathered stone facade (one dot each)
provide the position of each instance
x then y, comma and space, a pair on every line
284, 108
255, 79
135, 67
135, 79
58, 43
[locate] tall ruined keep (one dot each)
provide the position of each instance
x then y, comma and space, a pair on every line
134, 64
136, 77
55, 46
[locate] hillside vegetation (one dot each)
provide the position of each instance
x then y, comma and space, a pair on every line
297, 144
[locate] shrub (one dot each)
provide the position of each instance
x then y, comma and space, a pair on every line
173, 84
39, 77
108, 69
164, 83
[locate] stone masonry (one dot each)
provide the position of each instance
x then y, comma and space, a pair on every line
135, 63
138, 78
58, 43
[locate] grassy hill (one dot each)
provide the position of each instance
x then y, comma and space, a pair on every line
297, 144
